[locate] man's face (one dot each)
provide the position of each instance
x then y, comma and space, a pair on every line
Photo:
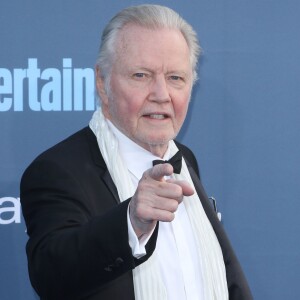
151, 83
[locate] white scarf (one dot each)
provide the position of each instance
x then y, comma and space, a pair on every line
147, 280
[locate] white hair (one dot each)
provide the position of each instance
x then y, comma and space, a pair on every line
147, 16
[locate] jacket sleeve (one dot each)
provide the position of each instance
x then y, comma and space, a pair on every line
73, 248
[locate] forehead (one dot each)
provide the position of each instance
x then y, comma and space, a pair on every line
141, 44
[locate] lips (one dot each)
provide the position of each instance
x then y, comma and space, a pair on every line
157, 116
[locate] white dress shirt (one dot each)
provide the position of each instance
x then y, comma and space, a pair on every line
175, 246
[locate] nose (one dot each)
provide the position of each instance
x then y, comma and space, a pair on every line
159, 89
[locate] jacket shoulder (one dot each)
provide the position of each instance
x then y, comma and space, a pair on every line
74, 146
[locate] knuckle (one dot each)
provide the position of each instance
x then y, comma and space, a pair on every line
141, 211
171, 217
167, 217
141, 188
174, 206
160, 185
177, 190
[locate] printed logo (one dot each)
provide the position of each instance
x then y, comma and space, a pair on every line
10, 210
51, 89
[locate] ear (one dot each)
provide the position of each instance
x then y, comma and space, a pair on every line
100, 85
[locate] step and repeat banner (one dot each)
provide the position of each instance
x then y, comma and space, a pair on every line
243, 123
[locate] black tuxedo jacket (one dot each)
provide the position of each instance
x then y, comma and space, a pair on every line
78, 239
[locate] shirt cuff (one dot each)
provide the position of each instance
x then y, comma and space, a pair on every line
137, 245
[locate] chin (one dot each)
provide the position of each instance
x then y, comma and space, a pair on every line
160, 141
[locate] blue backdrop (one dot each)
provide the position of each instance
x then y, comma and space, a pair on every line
243, 123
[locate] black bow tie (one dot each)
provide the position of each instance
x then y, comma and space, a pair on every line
175, 161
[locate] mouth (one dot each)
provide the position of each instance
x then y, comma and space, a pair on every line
157, 116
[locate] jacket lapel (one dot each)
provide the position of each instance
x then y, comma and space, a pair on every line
110, 185
212, 216
99, 161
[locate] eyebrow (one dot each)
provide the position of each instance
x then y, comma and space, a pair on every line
140, 68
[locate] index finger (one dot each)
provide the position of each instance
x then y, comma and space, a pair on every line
158, 172
187, 189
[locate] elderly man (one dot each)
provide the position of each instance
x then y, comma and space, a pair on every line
103, 222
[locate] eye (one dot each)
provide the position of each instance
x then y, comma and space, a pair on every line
176, 78
139, 75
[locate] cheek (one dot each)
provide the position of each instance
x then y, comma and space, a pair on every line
181, 108
123, 110
126, 101
127, 109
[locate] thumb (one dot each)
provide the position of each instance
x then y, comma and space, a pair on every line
158, 172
